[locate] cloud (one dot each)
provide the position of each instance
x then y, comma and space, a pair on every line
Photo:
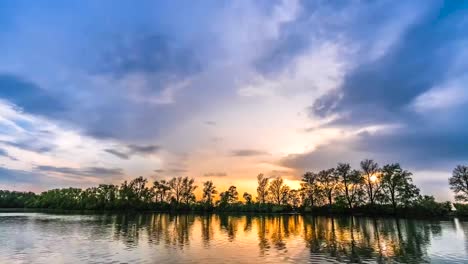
4, 153
248, 152
28, 96
118, 154
30, 144
144, 150
134, 150
210, 123
215, 174
13, 176
88, 171
414, 83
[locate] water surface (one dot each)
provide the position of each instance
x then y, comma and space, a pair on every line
164, 238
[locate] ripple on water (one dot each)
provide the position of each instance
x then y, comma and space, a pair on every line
161, 238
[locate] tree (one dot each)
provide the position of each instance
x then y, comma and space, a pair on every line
310, 188
262, 189
247, 197
459, 183
209, 190
161, 190
351, 181
397, 185
188, 189
182, 190
278, 191
294, 199
328, 179
371, 170
140, 193
229, 197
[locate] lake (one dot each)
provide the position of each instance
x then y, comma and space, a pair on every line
165, 238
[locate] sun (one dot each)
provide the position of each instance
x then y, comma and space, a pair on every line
373, 178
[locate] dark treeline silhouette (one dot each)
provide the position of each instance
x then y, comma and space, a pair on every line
342, 190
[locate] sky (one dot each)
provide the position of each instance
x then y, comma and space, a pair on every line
101, 91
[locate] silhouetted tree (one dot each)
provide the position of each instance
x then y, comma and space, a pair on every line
247, 197
310, 188
352, 182
278, 192
162, 191
182, 189
229, 197
397, 185
328, 179
459, 183
371, 170
209, 190
262, 189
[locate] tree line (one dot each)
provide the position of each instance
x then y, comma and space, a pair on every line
370, 189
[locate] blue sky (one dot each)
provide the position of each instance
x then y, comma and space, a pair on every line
99, 91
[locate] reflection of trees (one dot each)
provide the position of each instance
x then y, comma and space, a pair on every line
207, 229
275, 230
353, 239
229, 225
343, 239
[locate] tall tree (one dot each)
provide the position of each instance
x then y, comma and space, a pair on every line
397, 185
188, 189
209, 190
262, 189
162, 190
328, 179
351, 181
310, 188
459, 183
182, 189
294, 199
278, 191
370, 170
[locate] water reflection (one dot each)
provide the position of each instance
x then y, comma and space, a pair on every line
148, 238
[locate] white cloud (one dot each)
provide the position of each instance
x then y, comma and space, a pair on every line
447, 96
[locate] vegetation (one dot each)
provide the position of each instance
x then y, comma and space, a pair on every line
341, 190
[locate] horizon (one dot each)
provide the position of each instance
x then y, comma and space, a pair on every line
93, 93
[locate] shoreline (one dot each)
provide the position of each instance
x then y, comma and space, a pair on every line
318, 214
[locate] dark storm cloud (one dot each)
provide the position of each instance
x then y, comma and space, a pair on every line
248, 152
383, 91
